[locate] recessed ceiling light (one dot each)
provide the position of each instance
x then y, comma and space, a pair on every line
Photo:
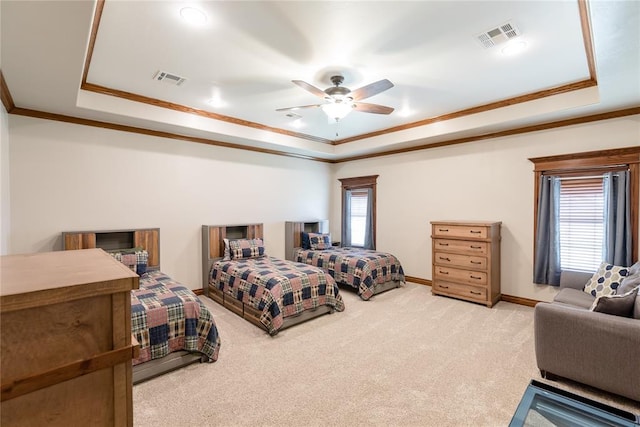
297, 123
514, 47
217, 102
193, 15
405, 112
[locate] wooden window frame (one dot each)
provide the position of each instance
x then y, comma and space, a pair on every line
361, 182
598, 161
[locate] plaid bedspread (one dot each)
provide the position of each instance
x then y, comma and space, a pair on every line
166, 316
359, 268
275, 287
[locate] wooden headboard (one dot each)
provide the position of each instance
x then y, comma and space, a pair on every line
213, 244
109, 240
293, 234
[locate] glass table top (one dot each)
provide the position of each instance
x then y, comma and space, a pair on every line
543, 405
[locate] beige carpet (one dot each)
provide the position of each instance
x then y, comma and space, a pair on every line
405, 358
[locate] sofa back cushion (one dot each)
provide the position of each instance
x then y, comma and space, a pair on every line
574, 279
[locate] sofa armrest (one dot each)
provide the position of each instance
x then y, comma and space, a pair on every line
592, 348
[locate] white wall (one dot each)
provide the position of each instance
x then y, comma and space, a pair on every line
66, 177
486, 180
5, 189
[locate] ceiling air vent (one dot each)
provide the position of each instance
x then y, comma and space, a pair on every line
498, 35
163, 76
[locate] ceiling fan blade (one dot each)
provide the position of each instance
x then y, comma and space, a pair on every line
310, 88
371, 89
298, 107
372, 108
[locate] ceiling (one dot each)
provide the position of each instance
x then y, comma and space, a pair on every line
96, 63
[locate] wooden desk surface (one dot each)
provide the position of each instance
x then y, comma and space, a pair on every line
43, 278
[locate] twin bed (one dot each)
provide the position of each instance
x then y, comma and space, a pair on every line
269, 292
172, 326
367, 271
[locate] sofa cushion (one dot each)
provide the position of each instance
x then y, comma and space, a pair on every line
636, 307
606, 279
574, 297
618, 305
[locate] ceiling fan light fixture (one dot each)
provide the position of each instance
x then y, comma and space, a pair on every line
337, 110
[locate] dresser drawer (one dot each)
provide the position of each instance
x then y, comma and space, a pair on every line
457, 289
459, 260
462, 246
457, 275
464, 231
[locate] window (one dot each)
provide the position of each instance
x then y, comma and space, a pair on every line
359, 211
586, 212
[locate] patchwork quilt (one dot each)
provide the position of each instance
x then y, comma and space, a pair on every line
166, 316
275, 287
359, 268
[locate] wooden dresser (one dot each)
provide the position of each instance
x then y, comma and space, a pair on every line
66, 339
466, 260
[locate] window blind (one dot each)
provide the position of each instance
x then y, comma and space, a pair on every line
358, 216
581, 223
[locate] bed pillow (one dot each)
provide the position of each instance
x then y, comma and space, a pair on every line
305, 241
318, 242
246, 248
137, 259
606, 280
226, 256
618, 305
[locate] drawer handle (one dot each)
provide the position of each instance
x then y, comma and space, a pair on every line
444, 230
476, 293
476, 247
475, 262
444, 287
476, 277
474, 232
443, 272
443, 244
444, 259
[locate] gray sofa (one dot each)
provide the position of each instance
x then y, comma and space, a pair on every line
597, 349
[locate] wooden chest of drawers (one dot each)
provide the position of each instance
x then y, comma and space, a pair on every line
66, 339
466, 260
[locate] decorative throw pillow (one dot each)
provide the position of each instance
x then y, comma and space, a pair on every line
628, 283
606, 280
136, 259
618, 305
305, 244
318, 242
246, 248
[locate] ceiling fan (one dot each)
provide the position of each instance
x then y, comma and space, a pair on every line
341, 100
